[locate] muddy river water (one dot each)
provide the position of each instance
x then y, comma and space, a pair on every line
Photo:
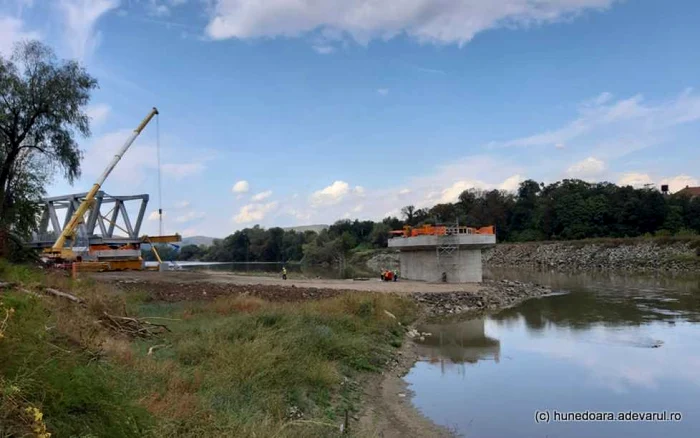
561, 366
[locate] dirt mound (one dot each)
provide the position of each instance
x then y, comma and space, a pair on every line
198, 291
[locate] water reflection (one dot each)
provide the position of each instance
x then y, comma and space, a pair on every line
457, 342
610, 343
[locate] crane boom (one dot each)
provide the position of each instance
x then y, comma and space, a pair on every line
77, 217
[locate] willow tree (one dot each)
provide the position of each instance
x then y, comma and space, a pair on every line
43, 104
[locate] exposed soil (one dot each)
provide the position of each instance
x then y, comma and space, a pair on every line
189, 285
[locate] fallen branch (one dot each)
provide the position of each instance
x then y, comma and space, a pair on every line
133, 326
154, 348
143, 318
68, 296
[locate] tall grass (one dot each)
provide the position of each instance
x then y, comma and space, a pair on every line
236, 366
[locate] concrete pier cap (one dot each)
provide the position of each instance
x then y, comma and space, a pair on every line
434, 258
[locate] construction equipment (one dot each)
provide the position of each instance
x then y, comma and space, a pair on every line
441, 230
104, 252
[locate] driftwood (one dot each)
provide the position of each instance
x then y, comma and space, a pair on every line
154, 348
65, 295
136, 327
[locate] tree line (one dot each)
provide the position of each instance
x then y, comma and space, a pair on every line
565, 210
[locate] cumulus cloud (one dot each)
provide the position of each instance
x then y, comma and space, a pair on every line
241, 187
511, 184
80, 19
13, 30
330, 195
153, 216
190, 216
440, 22
679, 182
590, 167
254, 212
634, 179
261, 196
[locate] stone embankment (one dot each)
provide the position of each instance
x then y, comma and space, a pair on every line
614, 255
492, 295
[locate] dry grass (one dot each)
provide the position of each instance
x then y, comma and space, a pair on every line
235, 366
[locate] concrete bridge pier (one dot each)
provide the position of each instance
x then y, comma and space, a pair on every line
442, 258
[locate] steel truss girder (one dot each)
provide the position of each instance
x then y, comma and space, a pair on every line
97, 228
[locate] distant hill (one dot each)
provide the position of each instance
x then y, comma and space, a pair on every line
197, 240
300, 229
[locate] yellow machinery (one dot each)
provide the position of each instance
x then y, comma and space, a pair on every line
107, 256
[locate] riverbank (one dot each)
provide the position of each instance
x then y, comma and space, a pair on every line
651, 255
209, 354
667, 254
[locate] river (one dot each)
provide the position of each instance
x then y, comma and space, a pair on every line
604, 344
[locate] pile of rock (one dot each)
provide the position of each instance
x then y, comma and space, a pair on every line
642, 256
493, 295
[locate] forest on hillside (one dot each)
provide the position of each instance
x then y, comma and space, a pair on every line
565, 210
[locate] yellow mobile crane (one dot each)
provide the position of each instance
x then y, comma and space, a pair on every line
58, 253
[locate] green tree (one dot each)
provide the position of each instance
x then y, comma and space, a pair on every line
43, 104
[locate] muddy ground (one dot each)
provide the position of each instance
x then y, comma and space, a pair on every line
388, 411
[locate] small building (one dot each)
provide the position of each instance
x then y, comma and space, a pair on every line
692, 192
443, 254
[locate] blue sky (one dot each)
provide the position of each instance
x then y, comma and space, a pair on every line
322, 110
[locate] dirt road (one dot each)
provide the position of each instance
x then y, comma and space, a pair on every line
216, 283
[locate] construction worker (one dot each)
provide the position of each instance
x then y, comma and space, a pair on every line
284, 272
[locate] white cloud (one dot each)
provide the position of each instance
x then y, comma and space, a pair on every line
382, 91
190, 216
404, 191
616, 127
182, 204
261, 196
359, 191
451, 193
590, 167
254, 212
98, 113
679, 182
153, 216
511, 184
358, 208
181, 170
675, 183
634, 179
440, 22
138, 162
241, 187
12, 30
80, 20
330, 195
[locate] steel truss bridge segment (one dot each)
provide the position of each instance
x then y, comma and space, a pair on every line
97, 227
